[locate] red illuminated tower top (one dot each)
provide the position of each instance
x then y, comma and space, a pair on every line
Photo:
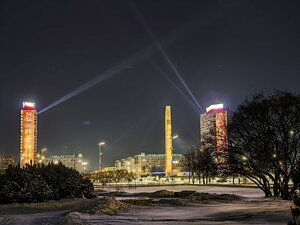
29, 106
215, 108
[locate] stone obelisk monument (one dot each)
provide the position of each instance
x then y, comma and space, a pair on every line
168, 141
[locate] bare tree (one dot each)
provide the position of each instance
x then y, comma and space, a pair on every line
190, 163
264, 142
201, 163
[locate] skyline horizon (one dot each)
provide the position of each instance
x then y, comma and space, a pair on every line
33, 105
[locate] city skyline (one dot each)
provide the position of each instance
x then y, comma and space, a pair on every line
224, 53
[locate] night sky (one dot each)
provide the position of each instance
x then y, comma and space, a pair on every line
224, 50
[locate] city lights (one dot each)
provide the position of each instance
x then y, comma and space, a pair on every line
150, 112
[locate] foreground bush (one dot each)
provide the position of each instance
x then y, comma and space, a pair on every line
207, 197
109, 206
40, 183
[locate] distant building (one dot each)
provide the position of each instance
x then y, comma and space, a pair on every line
109, 168
73, 161
145, 164
28, 140
5, 161
213, 128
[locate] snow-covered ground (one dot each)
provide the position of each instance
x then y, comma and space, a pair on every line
265, 211
255, 209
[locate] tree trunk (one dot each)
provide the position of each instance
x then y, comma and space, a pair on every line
285, 194
276, 186
193, 178
268, 193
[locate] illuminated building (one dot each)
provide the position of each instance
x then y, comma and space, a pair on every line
109, 169
28, 144
213, 127
73, 161
5, 161
144, 164
168, 141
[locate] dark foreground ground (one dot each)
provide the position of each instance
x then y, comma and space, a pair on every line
251, 209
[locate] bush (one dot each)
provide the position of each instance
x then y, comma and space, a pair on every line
39, 183
161, 194
109, 206
183, 194
207, 197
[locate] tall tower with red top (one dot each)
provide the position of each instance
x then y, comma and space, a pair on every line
213, 126
28, 144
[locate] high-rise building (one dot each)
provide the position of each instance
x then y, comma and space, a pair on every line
28, 144
168, 141
213, 128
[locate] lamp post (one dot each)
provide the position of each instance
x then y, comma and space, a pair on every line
43, 156
84, 166
100, 144
40, 156
173, 137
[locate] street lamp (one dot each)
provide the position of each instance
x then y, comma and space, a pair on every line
100, 144
40, 156
172, 149
84, 166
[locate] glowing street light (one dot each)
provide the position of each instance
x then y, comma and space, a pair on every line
100, 144
43, 156
84, 165
40, 155
173, 164
175, 136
